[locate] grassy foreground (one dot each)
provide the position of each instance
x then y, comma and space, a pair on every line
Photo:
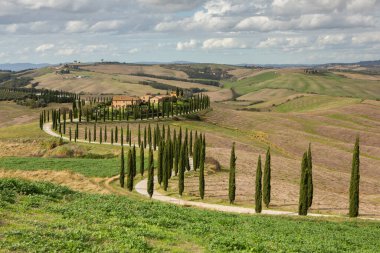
38, 217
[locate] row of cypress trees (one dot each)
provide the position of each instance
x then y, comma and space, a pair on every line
263, 184
173, 156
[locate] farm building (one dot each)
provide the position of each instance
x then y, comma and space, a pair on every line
120, 101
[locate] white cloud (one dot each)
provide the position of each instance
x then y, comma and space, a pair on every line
94, 48
331, 39
44, 47
66, 51
133, 51
223, 43
107, 25
76, 26
365, 38
187, 45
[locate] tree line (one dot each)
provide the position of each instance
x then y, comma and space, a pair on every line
263, 182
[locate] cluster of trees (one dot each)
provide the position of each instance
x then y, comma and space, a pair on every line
36, 97
173, 158
102, 112
200, 79
263, 182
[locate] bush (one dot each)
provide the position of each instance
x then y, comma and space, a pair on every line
194, 117
66, 151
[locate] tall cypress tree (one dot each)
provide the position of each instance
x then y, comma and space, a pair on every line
130, 171
159, 162
202, 170
258, 192
139, 136
267, 179
355, 179
134, 160
181, 174
165, 166
122, 168
302, 204
310, 187
232, 179
150, 186
142, 161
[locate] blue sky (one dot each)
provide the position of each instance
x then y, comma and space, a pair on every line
222, 31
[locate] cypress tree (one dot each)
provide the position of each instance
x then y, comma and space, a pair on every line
355, 179
116, 134
310, 178
150, 186
149, 135
122, 168
94, 132
267, 179
165, 166
89, 135
232, 179
70, 133
139, 136
145, 137
191, 143
100, 135
105, 133
142, 161
160, 162
258, 192
130, 171
302, 204
201, 170
85, 133
111, 136
181, 175
121, 136
134, 160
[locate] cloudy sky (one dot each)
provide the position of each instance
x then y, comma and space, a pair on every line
223, 31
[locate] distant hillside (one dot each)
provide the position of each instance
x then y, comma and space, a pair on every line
22, 66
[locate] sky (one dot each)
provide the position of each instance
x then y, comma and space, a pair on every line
219, 31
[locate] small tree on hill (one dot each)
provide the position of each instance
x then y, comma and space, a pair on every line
258, 192
130, 171
355, 179
122, 168
310, 187
232, 179
150, 186
267, 179
302, 204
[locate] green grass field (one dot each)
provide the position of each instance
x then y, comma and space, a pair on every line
326, 84
310, 103
110, 223
85, 166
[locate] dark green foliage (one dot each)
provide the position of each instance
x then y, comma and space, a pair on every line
160, 162
122, 168
355, 179
181, 174
310, 187
142, 161
232, 179
134, 161
302, 204
258, 192
150, 187
202, 170
267, 179
165, 167
130, 172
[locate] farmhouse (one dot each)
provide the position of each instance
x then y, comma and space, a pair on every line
120, 101
160, 98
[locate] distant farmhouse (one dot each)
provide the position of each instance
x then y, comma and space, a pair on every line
124, 101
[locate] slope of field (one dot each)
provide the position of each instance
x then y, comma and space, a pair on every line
67, 221
326, 84
314, 102
125, 69
100, 83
